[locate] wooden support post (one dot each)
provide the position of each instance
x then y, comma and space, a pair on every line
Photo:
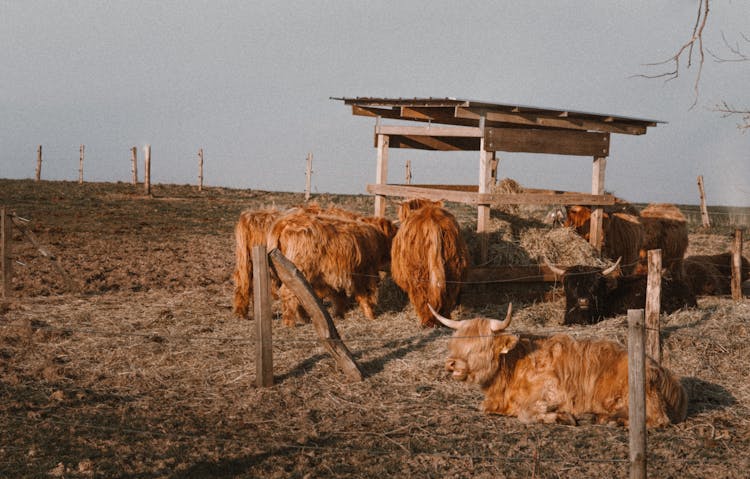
704, 210
6, 260
200, 169
597, 213
324, 327
494, 162
134, 164
263, 314
653, 305
483, 211
147, 169
636, 394
308, 176
381, 173
81, 150
737, 265
39, 163
408, 172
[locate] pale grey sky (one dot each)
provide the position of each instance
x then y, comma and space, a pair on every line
249, 82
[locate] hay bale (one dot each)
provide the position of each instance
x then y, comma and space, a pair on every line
505, 186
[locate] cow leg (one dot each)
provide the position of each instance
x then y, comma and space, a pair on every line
290, 307
339, 303
367, 301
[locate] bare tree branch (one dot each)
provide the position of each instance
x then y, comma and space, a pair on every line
728, 111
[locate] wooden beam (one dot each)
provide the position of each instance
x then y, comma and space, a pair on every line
736, 281
570, 123
457, 131
636, 394
596, 234
558, 142
324, 327
653, 305
510, 274
472, 198
483, 210
435, 143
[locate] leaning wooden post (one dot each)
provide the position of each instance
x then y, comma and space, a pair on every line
704, 211
381, 172
408, 172
134, 164
484, 186
324, 327
147, 169
39, 163
636, 394
262, 313
653, 305
308, 176
6, 262
80, 164
200, 169
737, 266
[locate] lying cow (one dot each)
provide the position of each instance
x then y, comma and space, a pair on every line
429, 257
712, 274
555, 379
593, 293
339, 256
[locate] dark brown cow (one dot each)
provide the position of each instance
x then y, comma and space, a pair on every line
429, 257
340, 257
593, 294
665, 228
556, 379
712, 274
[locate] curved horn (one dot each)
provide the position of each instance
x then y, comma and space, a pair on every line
446, 322
553, 268
497, 325
608, 271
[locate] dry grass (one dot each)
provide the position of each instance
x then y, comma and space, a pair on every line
145, 373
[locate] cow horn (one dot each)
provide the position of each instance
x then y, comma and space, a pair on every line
447, 322
609, 270
553, 268
497, 325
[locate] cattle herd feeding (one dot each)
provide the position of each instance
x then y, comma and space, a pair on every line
558, 379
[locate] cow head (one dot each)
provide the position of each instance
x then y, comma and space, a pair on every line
476, 347
406, 207
585, 288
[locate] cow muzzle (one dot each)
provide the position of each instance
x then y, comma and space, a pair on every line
457, 368
583, 304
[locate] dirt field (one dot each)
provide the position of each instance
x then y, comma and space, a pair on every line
143, 372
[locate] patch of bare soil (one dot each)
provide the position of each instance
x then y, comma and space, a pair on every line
143, 372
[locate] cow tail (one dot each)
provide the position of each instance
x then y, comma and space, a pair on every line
436, 265
243, 273
673, 393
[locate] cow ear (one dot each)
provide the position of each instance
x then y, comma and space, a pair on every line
506, 342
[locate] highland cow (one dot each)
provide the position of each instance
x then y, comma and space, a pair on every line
556, 379
712, 274
429, 257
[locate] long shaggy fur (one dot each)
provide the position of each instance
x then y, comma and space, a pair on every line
665, 228
250, 230
712, 274
340, 257
429, 258
558, 379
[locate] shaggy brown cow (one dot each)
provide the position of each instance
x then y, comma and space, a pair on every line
251, 230
665, 228
340, 257
429, 257
712, 274
556, 379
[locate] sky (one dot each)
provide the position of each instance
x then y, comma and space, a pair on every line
251, 83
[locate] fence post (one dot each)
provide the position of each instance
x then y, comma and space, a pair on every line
80, 164
147, 169
6, 262
134, 164
308, 176
737, 265
408, 172
39, 163
704, 211
653, 305
262, 313
200, 169
636, 394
